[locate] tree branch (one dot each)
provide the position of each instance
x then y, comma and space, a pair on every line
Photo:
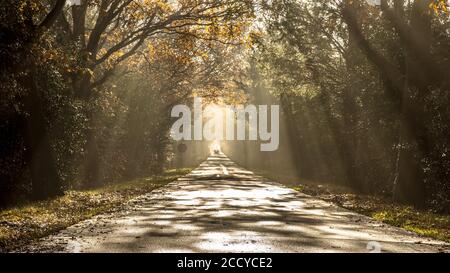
51, 17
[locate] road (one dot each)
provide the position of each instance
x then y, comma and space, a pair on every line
221, 207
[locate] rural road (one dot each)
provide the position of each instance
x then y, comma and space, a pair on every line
221, 207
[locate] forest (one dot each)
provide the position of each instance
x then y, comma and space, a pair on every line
87, 87
364, 92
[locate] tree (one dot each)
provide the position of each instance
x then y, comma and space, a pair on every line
21, 33
415, 142
109, 32
369, 79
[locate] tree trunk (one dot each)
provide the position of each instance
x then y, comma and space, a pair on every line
410, 186
350, 108
92, 161
349, 138
44, 175
297, 145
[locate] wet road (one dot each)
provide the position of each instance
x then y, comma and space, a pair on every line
221, 207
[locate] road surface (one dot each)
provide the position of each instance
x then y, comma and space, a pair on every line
221, 207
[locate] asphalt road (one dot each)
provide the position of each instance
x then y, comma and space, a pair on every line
221, 207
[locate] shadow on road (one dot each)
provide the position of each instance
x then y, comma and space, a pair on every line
221, 207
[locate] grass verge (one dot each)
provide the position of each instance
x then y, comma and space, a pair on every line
22, 224
383, 209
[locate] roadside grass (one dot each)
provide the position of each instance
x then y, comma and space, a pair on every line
380, 208
21, 224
